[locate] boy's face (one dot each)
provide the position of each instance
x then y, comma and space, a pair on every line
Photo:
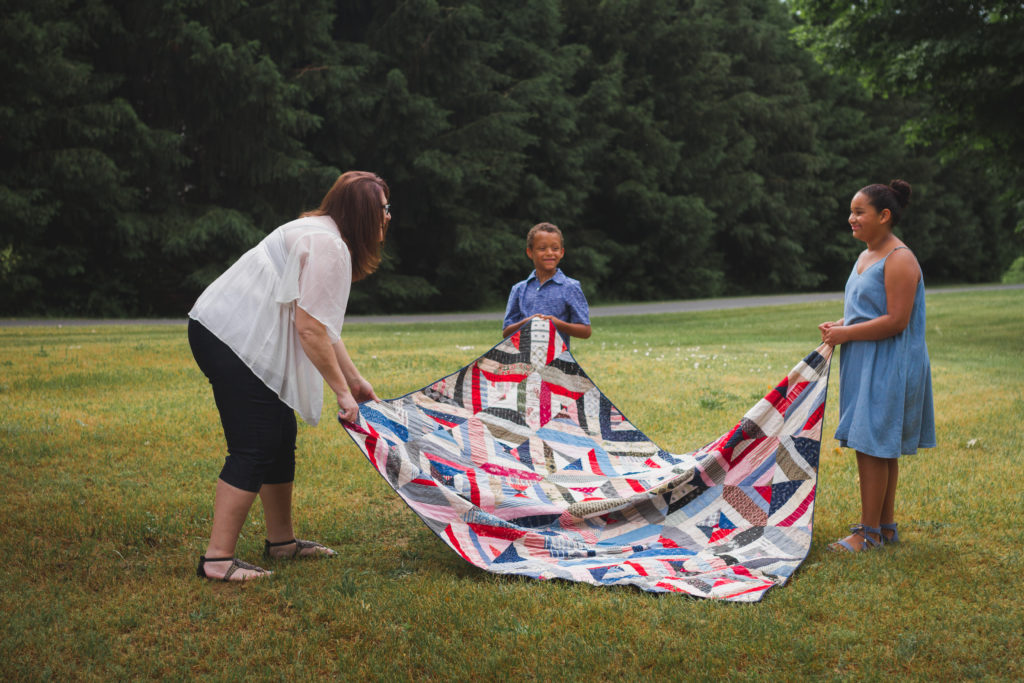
545, 252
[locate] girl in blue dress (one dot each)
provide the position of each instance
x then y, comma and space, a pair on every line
885, 386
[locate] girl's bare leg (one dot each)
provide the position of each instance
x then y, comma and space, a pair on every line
874, 476
889, 505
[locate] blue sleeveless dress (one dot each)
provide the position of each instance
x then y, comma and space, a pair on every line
885, 386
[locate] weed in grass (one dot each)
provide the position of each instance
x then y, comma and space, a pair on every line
349, 583
908, 645
710, 400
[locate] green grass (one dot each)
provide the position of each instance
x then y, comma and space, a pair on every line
110, 445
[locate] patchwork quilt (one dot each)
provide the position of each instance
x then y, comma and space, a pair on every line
522, 466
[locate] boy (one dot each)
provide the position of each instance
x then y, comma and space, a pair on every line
547, 293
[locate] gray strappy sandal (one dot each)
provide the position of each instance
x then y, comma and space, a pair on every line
300, 545
236, 564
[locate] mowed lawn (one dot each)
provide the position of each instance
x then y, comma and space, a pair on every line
110, 445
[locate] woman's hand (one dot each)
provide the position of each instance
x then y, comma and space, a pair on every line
348, 409
362, 390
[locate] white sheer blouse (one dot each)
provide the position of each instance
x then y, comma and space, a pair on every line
251, 306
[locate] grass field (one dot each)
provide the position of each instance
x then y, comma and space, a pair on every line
110, 445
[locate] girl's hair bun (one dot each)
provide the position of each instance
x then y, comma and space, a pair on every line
902, 190
893, 197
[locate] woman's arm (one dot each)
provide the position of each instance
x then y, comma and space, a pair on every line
361, 389
318, 348
901, 276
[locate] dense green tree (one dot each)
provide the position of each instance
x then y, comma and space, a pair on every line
686, 147
955, 70
473, 127
205, 72
643, 90
69, 148
967, 57
721, 163
146, 146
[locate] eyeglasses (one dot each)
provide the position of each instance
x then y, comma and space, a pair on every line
387, 209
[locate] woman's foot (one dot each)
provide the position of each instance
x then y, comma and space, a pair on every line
861, 538
229, 569
890, 535
296, 548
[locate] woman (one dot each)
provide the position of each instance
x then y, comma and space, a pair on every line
266, 334
885, 386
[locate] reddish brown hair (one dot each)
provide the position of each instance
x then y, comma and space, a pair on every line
353, 203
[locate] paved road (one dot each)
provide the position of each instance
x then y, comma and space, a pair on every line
682, 306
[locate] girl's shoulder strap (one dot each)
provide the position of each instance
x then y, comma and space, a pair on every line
920, 275
895, 249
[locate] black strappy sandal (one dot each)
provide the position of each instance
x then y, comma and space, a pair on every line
236, 564
300, 545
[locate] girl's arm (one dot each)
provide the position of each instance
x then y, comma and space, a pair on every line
901, 276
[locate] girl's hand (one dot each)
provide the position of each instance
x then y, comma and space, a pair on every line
835, 334
828, 325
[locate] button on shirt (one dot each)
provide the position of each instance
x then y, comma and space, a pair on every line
559, 296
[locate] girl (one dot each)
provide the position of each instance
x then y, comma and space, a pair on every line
885, 386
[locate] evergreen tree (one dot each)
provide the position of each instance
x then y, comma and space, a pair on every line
465, 102
966, 58
70, 146
238, 112
686, 147
715, 168
148, 146
955, 71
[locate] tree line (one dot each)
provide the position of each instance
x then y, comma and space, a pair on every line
687, 148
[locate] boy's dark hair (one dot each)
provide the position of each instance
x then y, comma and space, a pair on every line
543, 227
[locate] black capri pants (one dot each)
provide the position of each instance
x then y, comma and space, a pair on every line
259, 427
